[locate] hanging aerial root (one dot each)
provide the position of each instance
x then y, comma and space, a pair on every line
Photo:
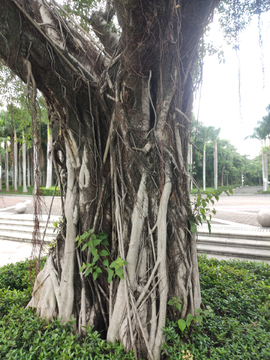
138, 216
161, 255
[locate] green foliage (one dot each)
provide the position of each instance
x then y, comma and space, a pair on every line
198, 318
25, 336
264, 192
43, 190
200, 208
238, 292
16, 276
113, 269
49, 191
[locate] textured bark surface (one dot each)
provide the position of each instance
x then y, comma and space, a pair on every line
123, 116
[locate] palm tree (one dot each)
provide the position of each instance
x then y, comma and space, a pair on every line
209, 133
262, 133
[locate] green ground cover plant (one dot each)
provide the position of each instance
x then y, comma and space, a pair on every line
236, 293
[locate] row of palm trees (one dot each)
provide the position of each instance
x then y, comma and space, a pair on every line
212, 158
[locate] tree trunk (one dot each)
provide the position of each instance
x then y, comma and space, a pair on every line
222, 176
15, 161
264, 170
190, 152
49, 158
12, 148
28, 169
204, 165
20, 168
124, 120
6, 167
24, 164
216, 166
1, 170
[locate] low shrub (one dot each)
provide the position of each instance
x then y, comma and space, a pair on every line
16, 276
49, 191
25, 336
238, 327
238, 292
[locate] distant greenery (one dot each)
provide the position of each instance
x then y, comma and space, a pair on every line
237, 292
264, 192
212, 190
44, 191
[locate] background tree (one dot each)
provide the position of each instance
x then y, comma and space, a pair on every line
262, 133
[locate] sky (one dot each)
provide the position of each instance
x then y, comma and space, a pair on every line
219, 105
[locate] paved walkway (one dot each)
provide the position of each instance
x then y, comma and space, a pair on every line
238, 211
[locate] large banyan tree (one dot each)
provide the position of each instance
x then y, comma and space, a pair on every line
122, 100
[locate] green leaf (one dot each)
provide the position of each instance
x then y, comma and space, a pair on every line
193, 228
94, 251
96, 242
95, 275
88, 271
95, 259
178, 306
82, 268
182, 324
119, 272
190, 317
105, 242
102, 236
106, 262
110, 275
171, 302
98, 270
104, 253
84, 246
84, 236
113, 264
199, 318
198, 311
209, 227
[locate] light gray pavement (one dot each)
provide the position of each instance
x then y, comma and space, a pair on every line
238, 211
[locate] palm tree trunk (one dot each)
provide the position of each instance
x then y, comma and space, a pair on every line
24, 164
204, 161
7, 180
15, 162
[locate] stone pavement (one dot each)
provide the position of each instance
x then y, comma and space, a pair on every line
238, 211
13, 251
